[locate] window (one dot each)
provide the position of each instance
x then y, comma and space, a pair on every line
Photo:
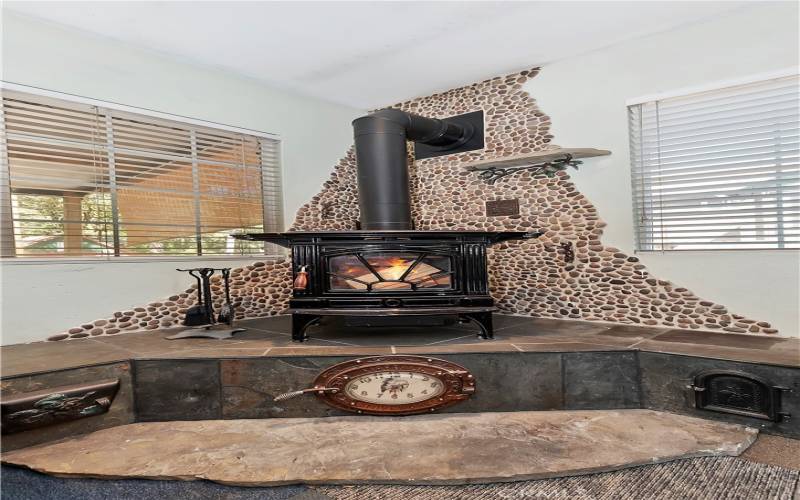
80, 180
718, 169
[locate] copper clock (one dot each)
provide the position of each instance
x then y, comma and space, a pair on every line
392, 385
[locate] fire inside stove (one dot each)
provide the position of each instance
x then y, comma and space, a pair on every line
389, 271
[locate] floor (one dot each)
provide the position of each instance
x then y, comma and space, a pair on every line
270, 337
775, 450
718, 478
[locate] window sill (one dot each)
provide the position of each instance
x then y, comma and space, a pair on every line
707, 250
22, 261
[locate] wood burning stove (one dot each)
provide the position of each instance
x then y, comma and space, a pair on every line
390, 273
388, 269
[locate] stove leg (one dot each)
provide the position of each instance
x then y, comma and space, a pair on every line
300, 323
484, 322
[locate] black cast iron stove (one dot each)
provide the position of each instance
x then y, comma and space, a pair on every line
387, 269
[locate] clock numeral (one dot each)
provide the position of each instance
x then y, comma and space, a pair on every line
363, 393
365, 380
425, 379
424, 391
410, 395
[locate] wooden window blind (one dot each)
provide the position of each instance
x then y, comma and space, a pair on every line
81, 180
718, 169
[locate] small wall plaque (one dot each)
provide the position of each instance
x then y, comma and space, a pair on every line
500, 208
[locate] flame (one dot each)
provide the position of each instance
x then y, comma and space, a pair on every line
392, 267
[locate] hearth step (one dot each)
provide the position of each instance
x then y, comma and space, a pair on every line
428, 449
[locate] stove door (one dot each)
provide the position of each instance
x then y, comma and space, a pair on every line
387, 270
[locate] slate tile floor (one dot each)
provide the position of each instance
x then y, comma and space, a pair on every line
271, 337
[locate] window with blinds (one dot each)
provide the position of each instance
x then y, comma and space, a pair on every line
82, 180
718, 169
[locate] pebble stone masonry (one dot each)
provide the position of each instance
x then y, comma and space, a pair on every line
527, 278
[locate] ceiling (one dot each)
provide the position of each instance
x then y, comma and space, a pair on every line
371, 54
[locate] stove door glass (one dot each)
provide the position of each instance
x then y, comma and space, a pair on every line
389, 271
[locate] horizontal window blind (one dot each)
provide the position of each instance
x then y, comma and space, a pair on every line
90, 181
718, 169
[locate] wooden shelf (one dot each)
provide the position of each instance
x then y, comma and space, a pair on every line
535, 158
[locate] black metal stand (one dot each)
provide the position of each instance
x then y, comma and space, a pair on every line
206, 332
210, 327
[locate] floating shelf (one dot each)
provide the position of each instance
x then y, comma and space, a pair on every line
535, 158
548, 162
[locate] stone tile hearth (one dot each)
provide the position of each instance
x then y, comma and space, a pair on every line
271, 337
427, 449
531, 365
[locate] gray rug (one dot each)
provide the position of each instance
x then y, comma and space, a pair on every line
725, 478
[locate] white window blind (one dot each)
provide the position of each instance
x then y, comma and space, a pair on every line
83, 180
718, 169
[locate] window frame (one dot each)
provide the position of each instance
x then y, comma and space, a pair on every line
44, 94
792, 71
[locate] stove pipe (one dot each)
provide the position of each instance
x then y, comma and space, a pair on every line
381, 159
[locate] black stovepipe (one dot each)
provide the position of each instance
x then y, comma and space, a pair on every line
381, 158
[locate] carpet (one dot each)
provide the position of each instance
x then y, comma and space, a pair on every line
724, 478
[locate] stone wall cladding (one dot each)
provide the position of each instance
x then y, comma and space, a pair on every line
531, 277
527, 278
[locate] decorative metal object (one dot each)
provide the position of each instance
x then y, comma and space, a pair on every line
739, 393
60, 404
391, 385
301, 279
326, 210
550, 168
568, 250
501, 208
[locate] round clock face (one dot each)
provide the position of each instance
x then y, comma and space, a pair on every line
391, 388
394, 385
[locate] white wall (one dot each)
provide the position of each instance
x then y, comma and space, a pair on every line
585, 96
39, 300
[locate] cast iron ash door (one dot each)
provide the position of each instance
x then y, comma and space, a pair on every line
738, 393
386, 270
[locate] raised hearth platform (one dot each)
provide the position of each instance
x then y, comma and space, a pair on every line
532, 364
427, 449
271, 337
